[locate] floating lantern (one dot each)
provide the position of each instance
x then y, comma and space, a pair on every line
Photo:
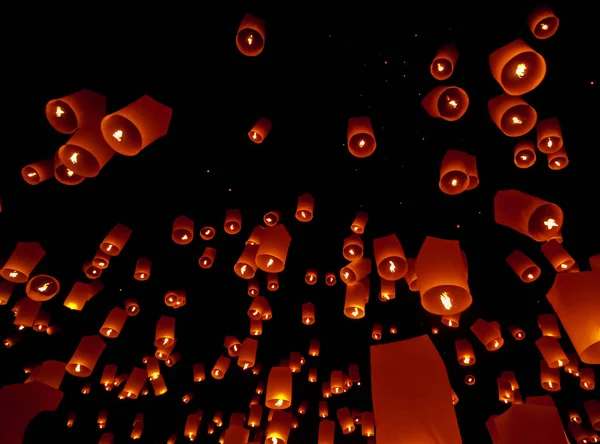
444, 61
250, 38
517, 68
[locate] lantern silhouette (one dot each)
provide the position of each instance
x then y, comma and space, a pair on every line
512, 115
449, 103
183, 230
38, 172
245, 267
134, 127
442, 277
542, 22
527, 214
250, 38
524, 267
305, 208
279, 388
552, 352
86, 355
443, 64
361, 138
142, 269
273, 249
42, 288
524, 154
454, 175
67, 114
389, 257
63, 174
488, 334
558, 160
260, 130
208, 257
579, 315
356, 299
517, 68
360, 222
115, 240
86, 152
114, 323
22, 261
233, 221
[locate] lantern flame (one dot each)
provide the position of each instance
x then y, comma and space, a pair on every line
520, 71
118, 135
59, 111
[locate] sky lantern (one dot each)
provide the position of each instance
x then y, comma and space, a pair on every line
560, 259
38, 172
165, 331
443, 63
143, 266
389, 257
512, 115
22, 261
86, 152
454, 174
449, 103
517, 68
250, 38
356, 299
183, 230
272, 218
207, 259
42, 287
114, 323
246, 267
67, 114
549, 136
360, 222
279, 388
273, 249
524, 154
86, 355
558, 160
62, 173
523, 266
542, 22
261, 129
116, 240
132, 128
488, 333
361, 138
305, 208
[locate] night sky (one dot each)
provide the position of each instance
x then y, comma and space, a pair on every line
319, 67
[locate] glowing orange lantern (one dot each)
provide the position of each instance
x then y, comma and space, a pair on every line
361, 138
388, 290
114, 323
527, 214
311, 276
548, 325
376, 332
550, 377
516, 332
314, 347
250, 38
220, 368
549, 135
86, 152
233, 221
272, 282
86, 355
512, 115
183, 230
330, 279
279, 388
63, 174
355, 271
165, 332
272, 218
552, 352
442, 277
142, 269
41, 288
557, 255
247, 353
260, 130
208, 257
488, 333
524, 154
558, 160
67, 114
207, 233
305, 208
451, 320
22, 261
253, 288
308, 313
587, 378
517, 68
199, 374
356, 299
446, 102
115, 240
524, 267
542, 22
443, 64
389, 257
464, 352
38, 172
345, 419
272, 251
245, 267
131, 129
360, 222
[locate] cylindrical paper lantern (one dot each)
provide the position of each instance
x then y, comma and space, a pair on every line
131, 129
165, 332
558, 160
549, 135
516, 332
524, 267
361, 138
183, 230
272, 218
488, 333
86, 152
114, 323
389, 257
245, 267
233, 221
42, 288
272, 251
311, 276
356, 299
512, 115
454, 177
550, 377
524, 154
517, 68
22, 261
446, 102
142, 269
557, 255
260, 130
279, 388
207, 233
542, 22
86, 355
552, 352
115, 240
250, 38
67, 114
308, 313
220, 367
38, 172
208, 257
443, 64
305, 208
360, 222
355, 271
65, 175
464, 352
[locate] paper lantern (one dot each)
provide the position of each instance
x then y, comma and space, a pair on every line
247, 353
592, 408
361, 138
260, 130
250, 38
389, 257
360, 222
516, 332
550, 377
38, 172
220, 367
580, 316
488, 334
42, 288
165, 332
273, 249
465, 353
523, 267
278, 429
135, 383
314, 347
587, 378
355, 271
557, 256
253, 287
208, 257
449, 103
552, 352
442, 277
255, 415
517, 68
259, 309
86, 355
279, 388
387, 291
199, 374
356, 299
443, 64
549, 136
142, 269
63, 174
470, 380
79, 295
67, 114
512, 115
114, 323
246, 267
272, 218
527, 214
272, 282
524, 154
305, 208
505, 390
86, 152
175, 298
542, 22
115, 240
207, 233
558, 160
454, 176
311, 276
183, 230
377, 331
159, 386
308, 313
323, 409
134, 127
22, 261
